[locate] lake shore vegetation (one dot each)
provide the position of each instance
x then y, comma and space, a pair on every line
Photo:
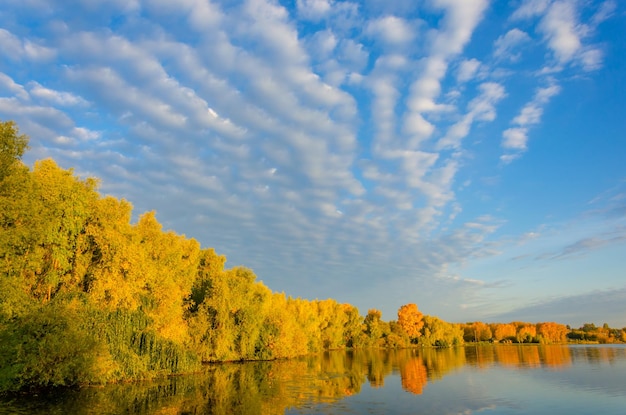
88, 297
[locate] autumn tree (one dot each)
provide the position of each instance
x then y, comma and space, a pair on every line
439, 333
375, 328
551, 332
410, 319
476, 332
526, 332
503, 331
12, 147
353, 326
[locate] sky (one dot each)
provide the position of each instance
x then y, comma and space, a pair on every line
467, 156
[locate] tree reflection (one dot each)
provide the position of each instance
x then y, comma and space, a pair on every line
520, 356
413, 375
274, 387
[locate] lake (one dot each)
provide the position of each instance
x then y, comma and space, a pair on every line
502, 379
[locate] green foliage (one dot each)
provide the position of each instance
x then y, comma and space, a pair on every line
51, 345
12, 147
439, 333
589, 333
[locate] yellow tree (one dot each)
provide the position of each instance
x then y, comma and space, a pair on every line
12, 147
504, 331
67, 204
551, 332
411, 320
526, 332
169, 263
374, 326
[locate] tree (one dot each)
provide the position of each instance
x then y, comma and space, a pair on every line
12, 146
551, 332
375, 328
526, 332
439, 333
504, 331
476, 332
411, 320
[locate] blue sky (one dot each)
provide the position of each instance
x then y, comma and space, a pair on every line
464, 155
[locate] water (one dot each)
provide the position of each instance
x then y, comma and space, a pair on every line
491, 380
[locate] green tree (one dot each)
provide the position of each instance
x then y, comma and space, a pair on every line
439, 333
12, 147
375, 328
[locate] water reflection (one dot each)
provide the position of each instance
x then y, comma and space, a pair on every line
443, 380
520, 356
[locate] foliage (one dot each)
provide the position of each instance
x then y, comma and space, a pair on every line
439, 333
588, 332
12, 147
410, 319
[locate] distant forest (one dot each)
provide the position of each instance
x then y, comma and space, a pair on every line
87, 297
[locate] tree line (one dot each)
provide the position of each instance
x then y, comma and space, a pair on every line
88, 297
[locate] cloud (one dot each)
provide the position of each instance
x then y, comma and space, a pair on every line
564, 33
467, 70
15, 49
598, 306
505, 45
516, 138
458, 24
55, 97
10, 86
461, 18
481, 108
530, 8
391, 30
314, 9
560, 29
584, 246
605, 11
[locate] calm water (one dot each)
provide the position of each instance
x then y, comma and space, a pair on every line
489, 380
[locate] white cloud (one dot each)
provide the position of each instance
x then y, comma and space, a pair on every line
426, 89
543, 95
516, 138
84, 134
605, 11
467, 69
14, 48
314, 9
530, 114
324, 43
55, 97
506, 44
560, 28
591, 59
390, 29
564, 33
481, 108
9, 85
530, 8
461, 18
353, 54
